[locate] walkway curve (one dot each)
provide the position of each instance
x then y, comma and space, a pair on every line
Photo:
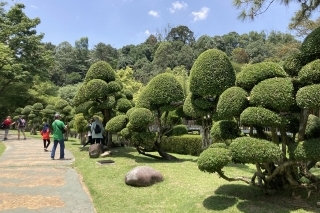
31, 182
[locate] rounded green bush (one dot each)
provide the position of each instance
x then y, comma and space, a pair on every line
80, 124
113, 87
179, 130
261, 117
100, 70
96, 88
225, 130
67, 109
309, 96
310, 47
293, 64
203, 103
108, 103
305, 151
163, 90
232, 102
274, 93
313, 127
116, 124
310, 73
123, 105
37, 106
213, 159
254, 150
130, 111
61, 104
128, 93
125, 132
211, 74
144, 139
252, 74
172, 118
141, 117
191, 110
218, 145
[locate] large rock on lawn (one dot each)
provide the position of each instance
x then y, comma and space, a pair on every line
143, 176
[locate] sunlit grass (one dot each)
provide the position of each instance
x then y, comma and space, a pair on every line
184, 189
2, 148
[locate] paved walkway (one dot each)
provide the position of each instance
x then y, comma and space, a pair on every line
31, 182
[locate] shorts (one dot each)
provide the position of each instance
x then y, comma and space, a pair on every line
21, 129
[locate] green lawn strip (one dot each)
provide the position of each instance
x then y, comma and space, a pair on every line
184, 189
2, 148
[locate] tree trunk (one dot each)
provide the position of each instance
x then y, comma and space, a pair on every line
303, 123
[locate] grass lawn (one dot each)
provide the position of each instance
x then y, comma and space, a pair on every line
2, 148
184, 189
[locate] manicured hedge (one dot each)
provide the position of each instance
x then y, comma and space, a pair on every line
274, 93
192, 110
313, 127
252, 74
186, 144
214, 159
141, 117
232, 102
293, 64
309, 96
310, 47
211, 74
116, 124
96, 88
225, 130
261, 117
179, 130
113, 87
305, 151
123, 105
310, 73
254, 150
101, 70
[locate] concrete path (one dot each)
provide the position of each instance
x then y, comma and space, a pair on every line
31, 182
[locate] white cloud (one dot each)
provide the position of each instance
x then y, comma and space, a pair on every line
153, 13
147, 32
177, 6
201, 14
34, 6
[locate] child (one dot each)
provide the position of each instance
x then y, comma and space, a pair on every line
45, 132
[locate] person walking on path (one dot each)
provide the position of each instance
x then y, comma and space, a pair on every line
45, 132
7, 123
21, 127
89, 134
97, 130
58, 127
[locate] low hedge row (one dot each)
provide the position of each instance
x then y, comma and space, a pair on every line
185, 144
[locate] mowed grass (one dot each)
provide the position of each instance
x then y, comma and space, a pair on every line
184, 189
2, 148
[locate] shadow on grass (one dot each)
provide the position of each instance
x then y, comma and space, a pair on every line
250, 199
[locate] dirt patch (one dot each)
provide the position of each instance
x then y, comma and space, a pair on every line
12, 201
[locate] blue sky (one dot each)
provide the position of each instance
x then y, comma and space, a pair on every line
124, 22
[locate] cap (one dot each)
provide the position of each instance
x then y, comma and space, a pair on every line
57, 115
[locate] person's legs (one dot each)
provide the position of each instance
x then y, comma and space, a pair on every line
19, 133
48, 140
98, 140
24, 134
53, 151
61, 143
44, 144
6, 132
90, 140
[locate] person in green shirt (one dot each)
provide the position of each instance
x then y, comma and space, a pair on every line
58, 138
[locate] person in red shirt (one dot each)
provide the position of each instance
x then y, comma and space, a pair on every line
7, 123
45, 132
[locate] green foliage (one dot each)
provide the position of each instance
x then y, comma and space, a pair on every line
313, 127
96, 88
80, 124
232, 102
309, 96
114, 86
218, 145
224, 130
179, 130
141, 117
161, 91
310, 47
213, 159
305, 150
117, 123
203, 103
211, 74
172, 118
185, 144
123, 105
310, 73
37, 106
191, 110
275, 94
293, 64
252, 74
144, 139
254, 150
100, 70
61, 104
261, 117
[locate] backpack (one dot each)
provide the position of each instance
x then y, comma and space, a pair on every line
2, 125
22, 122
97, 129
95, 150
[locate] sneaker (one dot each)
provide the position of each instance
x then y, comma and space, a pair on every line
52, 158
25, 139
5, 139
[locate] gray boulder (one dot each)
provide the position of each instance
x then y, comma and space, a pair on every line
143, 176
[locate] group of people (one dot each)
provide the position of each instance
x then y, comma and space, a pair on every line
94, 134
21, 123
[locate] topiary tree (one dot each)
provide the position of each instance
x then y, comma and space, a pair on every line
80, 125
282, 103
35, 118
102, 93
65, 111
211, 74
